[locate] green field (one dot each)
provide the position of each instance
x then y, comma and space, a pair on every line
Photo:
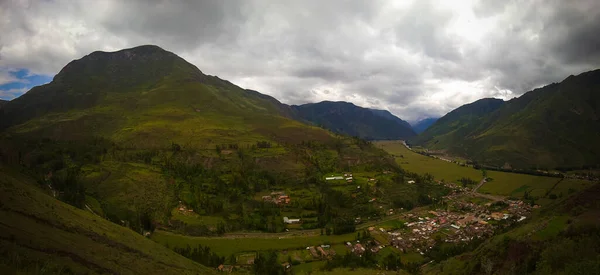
194, 219
348, 271
553, 227
308, 268
501, 183
226, 246
421, 164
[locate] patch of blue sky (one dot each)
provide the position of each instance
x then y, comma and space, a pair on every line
14, 83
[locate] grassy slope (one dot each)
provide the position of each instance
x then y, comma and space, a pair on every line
38, 233
508, 184
226, 246
553, 126
146, 97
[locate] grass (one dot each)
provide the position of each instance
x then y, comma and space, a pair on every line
502, 183
391, 225
421, 164
122, 188
195, 219
554, 226
308, 268
412, 258
346, 271
226, 246
38, 231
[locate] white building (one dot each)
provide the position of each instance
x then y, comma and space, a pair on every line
290, 221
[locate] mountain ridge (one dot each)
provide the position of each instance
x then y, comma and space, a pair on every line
346, 118
422, 125
549, 127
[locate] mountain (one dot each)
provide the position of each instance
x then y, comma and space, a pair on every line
151, 93
387, 115
347, 118
422, 125
449, 131
40, 233
550, 127
2, 103
133, 134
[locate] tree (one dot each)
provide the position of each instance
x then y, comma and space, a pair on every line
392, 262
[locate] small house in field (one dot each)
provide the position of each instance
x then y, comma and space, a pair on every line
322, 251
225, 268
290, 221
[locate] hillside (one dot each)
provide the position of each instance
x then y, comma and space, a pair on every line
553, 126
347, 118
149, 93
422, 125
137, 133
41, 234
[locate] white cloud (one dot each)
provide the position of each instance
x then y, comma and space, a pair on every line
12, 93
416, 58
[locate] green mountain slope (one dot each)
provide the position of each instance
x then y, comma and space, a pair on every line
347, 118
134, 133
148, 98
449, 131
554, 126
39, 234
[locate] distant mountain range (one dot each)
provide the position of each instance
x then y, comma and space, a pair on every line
423, 124
349, 119
554, 126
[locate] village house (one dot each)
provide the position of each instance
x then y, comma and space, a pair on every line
466, 221
284, 199
497, 216
322, 251
290, 221
358, 249
225, 268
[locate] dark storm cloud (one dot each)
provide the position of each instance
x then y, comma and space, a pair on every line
416, 58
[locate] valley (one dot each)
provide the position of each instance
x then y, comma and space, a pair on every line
149, 165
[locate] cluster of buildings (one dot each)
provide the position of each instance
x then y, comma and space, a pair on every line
347, 176
359, 248
277, 198
321, 252
183, 209
470, 221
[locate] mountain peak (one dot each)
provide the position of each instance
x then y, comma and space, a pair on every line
128, 66
131, 53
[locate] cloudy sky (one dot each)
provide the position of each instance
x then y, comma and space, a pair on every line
415, 58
